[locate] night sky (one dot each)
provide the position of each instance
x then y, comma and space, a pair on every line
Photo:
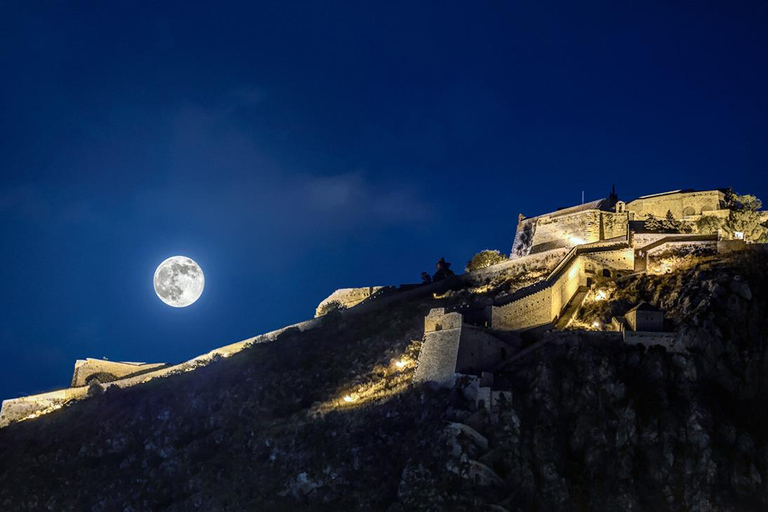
292, 149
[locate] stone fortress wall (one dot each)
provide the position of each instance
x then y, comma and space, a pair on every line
542, 303
650, 339
347, 297
479, 350
440, 348
557, 230
582, 243
608, 218
683, 204
106, 371
598, 263
28, 407
450, 346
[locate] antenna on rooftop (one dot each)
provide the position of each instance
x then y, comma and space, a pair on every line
582, 197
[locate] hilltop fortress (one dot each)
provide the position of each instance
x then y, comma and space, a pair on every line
610, 218
558, 261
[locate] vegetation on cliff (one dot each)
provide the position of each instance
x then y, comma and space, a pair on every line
485, 258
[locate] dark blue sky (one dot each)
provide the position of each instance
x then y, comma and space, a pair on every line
292, 149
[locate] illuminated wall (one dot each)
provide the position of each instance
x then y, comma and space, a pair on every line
84, 369
347, 297
623, 259
19, 409
450, 346
28, 407
681, 204
556, 230
440, 349
545, 304
586, 223
438, 320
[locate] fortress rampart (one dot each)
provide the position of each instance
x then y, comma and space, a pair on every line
543, 302
440, 349
682, 204
107, 371
347, 297
552, 231
580, 245
29, 407
608, 218
450, 346
18, 409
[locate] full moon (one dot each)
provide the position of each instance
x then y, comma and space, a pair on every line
179, 281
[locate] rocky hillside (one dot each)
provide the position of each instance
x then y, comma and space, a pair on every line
327, 420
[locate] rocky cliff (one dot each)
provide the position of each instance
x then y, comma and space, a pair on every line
328, 419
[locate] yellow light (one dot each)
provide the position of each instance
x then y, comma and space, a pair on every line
575, 240
349, 398
400, 364
601, 295
596, 325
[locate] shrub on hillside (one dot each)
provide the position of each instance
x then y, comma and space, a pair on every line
745, 218
484, 259
709, 224
667, 225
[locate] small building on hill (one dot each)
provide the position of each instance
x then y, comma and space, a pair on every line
645, 317
644, 325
